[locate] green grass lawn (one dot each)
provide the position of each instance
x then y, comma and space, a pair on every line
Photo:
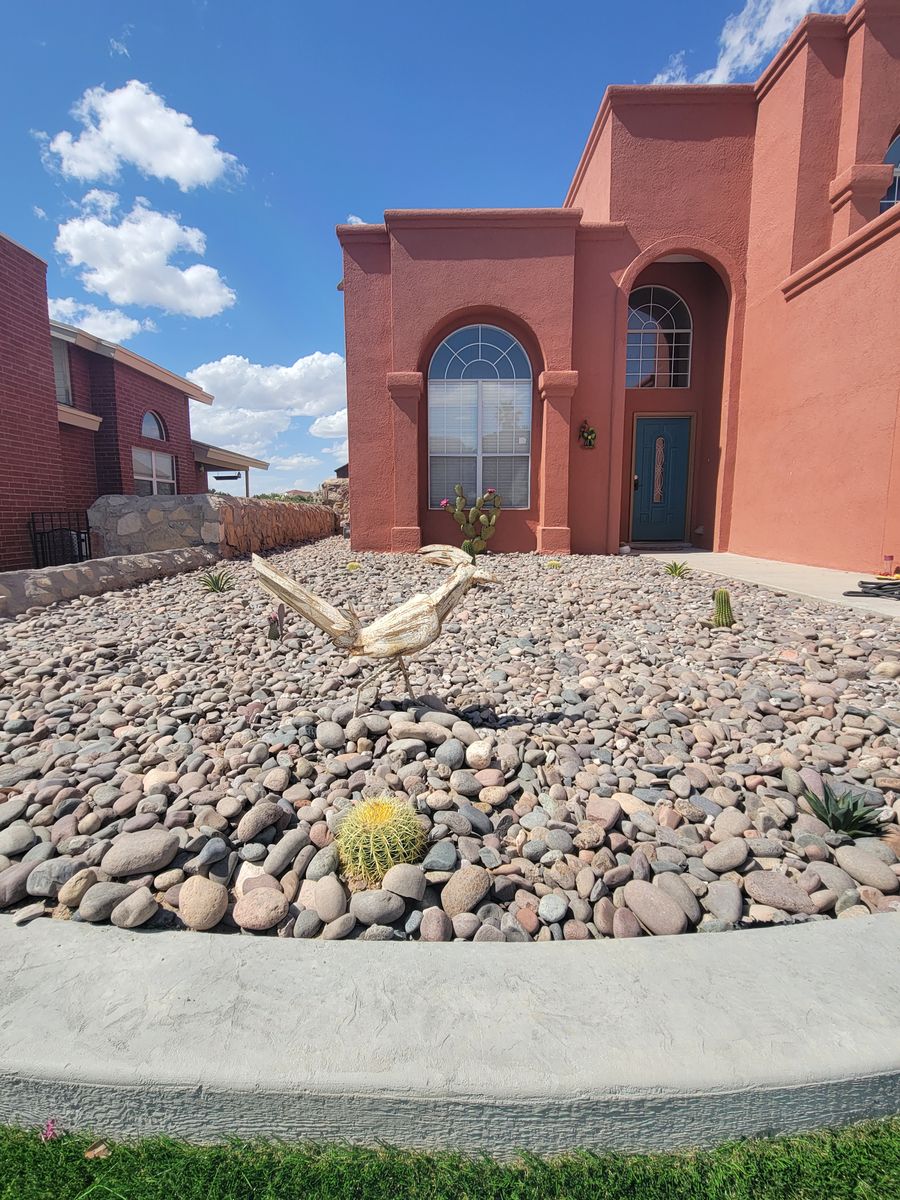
858, 1163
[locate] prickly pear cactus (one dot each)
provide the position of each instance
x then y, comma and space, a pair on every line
477, 522
723, 617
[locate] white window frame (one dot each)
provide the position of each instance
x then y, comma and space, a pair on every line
688, 329
62, 377
154, 479
479, 454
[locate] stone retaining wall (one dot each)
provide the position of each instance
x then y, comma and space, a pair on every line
227, 525
21, 590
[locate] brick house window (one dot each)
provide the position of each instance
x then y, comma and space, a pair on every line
61, 372
154, 473
152, 427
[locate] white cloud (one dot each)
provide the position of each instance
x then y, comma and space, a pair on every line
117, 47
352, 219
133, 125
109, 323
331, 426
101, 203
339, 450
313, 385
39, 212
242, 429
129, 262
748, 39
293, 462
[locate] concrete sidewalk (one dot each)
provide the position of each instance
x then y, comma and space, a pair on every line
814, 583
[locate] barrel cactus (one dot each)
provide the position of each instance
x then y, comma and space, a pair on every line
478, 521
723, 617
375, 835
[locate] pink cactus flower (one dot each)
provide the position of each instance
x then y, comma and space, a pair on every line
490, 491
445, 503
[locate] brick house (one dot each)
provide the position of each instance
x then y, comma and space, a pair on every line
83, 417
700, 345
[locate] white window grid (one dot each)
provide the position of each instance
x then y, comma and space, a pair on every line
520, 393
158, 430
61, 377
155, 476
654, 313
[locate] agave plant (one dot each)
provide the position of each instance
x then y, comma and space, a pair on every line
217, 581
678, 570
847, 813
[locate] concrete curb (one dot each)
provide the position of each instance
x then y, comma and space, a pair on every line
635, 1045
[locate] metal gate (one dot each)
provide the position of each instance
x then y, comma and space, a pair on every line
59, 537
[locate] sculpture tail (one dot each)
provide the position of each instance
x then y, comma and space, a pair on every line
445, 556
340, 627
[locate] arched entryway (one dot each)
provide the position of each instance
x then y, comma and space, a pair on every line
674, 375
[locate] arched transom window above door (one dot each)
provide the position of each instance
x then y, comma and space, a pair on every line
892, 195
659, 340
479, 417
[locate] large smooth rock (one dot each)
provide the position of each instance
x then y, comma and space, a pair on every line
866, 868
330, 898
16, 838
134, 910
405, 880
139, 853
656, 911
260, 817
202, 903
727, 855
776, 890
260, 909
375, 907
98, 901
465, 890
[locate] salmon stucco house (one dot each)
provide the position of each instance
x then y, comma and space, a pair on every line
701, 346
83, 417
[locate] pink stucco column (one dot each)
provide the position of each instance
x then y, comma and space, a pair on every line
405, 388
854, 197
556, 388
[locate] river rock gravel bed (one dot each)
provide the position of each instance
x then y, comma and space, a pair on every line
589, 759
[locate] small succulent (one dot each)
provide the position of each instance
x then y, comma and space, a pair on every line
352, 566
847, 813
220, 580
678, 570
722, 617
276, 623
375, 835
554, 564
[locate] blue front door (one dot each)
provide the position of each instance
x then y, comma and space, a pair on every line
662, 451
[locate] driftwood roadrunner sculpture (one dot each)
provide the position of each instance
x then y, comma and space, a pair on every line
400, 633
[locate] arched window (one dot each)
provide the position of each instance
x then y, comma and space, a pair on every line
479, 417
152, 427
892, 195
659, 340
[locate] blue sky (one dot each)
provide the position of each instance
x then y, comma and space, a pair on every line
182, 165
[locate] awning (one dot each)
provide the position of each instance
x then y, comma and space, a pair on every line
215, 456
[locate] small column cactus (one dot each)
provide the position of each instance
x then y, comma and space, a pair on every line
477, 523
276, 623
723, 617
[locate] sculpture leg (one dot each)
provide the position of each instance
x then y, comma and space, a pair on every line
365, 683
409, 690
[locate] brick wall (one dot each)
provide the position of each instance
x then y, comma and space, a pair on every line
79, 472
136, 394
30, 474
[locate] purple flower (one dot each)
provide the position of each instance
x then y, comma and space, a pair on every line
445, 503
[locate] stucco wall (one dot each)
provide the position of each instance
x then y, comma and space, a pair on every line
228, 525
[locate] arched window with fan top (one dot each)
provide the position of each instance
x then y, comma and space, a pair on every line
479, 417
659, 340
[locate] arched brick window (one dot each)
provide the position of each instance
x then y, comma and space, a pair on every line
152, 427
659, 340
479, 416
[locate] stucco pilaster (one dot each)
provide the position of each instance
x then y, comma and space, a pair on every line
405, 389
557, 389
